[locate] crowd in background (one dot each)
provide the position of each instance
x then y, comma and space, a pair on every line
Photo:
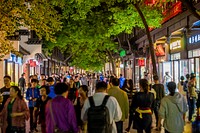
63, 102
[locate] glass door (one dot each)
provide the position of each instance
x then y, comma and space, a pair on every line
137, 76
197, 72
183, 68
167, 67
191, 66
160, 72
176, 72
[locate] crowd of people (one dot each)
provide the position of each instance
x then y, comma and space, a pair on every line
95, 103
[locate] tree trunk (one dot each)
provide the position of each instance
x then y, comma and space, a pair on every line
191, 8
149, 38
112, 61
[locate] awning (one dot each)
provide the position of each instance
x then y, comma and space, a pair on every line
23, 50
41, 55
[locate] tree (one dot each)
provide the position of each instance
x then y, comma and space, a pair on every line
89, 26
37, 15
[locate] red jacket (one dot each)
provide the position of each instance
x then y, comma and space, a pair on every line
19, 106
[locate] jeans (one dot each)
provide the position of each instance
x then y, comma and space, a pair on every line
31, 118
119, 126
130, 121
156, 110
147, 130
191, 107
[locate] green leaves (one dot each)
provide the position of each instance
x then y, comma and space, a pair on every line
88, 26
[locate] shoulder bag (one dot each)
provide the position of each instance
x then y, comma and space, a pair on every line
56, 129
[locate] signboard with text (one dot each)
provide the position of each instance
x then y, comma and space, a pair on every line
141, 62
194, 39
159, 50
172, 12
175, 45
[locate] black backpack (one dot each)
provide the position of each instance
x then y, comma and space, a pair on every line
98, 117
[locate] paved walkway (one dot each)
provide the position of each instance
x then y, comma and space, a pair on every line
187, 128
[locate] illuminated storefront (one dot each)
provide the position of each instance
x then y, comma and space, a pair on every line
193, 47
13, 67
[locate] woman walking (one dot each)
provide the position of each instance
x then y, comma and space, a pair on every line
60, 113
40, 105
83, 91
141, 106
15, 112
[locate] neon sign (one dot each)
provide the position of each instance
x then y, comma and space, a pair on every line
194, 39
173, 11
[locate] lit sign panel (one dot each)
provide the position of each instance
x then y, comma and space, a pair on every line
141, 62
194, 39
175, 45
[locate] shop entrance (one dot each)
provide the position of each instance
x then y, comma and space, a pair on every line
197, 65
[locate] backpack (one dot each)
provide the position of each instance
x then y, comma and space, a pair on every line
98, 117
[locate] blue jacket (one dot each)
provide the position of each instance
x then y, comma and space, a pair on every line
32, 93
52, 93
121, 82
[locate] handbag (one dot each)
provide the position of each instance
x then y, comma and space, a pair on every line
56, 129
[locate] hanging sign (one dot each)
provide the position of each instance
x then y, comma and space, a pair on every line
175, 45
141, 62
159, 50
172, 12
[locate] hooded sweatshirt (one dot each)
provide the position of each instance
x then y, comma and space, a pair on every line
171, 110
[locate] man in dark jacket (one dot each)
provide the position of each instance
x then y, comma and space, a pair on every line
22, 83
160, 93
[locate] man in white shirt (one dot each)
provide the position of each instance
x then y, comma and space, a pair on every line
115, 112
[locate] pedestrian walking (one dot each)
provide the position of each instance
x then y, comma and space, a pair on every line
121, 81
92, 86
192, 96
172, 110
101, 111
141, 107
167, 78
122, 99
160, 93
131, 91
15, 112
32, 94
39, 109
51, 83
60, 113
5, 91
22, 83
83, 95
181, 87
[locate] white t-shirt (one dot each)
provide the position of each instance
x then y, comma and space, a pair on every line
112, 105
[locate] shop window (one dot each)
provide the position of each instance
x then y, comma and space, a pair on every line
197, 65
196, 53
183, 67
10, 70
191, 65
176, 56
190, 54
